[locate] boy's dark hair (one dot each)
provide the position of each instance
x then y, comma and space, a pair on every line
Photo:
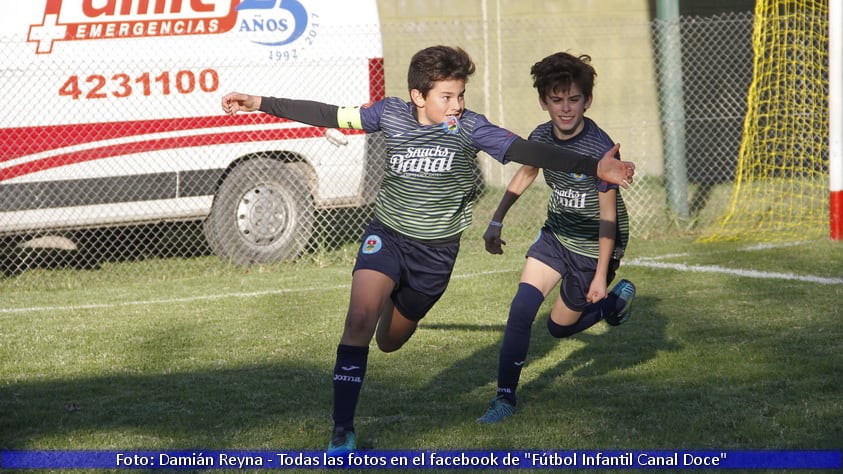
438, 63
558, 71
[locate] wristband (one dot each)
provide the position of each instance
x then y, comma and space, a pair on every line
496, 224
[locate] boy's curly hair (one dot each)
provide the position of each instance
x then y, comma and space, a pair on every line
557, 72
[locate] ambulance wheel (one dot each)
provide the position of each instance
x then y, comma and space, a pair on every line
262, 213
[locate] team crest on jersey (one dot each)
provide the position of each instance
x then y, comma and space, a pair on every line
451, 125
371, 244
578, 176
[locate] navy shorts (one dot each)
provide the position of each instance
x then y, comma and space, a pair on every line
577, 270
420, 269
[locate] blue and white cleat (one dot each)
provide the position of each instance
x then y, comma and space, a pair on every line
499, 409
625, 291
342, 442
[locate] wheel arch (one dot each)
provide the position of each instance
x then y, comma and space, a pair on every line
282, 156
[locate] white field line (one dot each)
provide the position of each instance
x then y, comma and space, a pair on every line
653, 262
191, 299
650, 262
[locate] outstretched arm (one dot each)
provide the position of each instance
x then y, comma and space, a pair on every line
522, 179
543, 155
305, 111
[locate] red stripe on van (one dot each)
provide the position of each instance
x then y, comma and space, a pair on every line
208, 139
22, 141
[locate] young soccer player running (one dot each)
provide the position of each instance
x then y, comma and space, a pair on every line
583, 238
424, 203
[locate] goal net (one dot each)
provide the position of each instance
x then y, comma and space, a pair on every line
781, 182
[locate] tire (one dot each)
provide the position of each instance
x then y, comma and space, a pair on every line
262, 213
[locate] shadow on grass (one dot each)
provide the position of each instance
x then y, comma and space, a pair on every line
763, 394
619, 348
281, 405
214, 408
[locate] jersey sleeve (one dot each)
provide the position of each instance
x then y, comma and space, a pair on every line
370, 116
314, 113
491, 138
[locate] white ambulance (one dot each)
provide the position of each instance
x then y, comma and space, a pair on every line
112, 117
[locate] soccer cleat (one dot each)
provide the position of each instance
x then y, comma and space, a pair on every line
625, 291
499, 409
342, 442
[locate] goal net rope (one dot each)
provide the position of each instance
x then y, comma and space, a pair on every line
781, 184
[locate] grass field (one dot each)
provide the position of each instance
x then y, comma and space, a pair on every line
732, 346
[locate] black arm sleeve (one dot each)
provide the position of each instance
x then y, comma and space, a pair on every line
305, 111
543, 155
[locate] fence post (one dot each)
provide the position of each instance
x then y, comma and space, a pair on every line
673, 108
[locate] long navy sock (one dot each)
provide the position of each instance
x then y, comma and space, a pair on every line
592, 315
349, 371
516, 339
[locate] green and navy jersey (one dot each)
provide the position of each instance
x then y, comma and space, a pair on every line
573, 209
429, 189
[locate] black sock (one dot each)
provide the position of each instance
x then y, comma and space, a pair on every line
516, 339
592, 315
587, 319
349, 371
611, 304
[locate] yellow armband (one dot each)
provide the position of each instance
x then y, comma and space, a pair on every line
349, 117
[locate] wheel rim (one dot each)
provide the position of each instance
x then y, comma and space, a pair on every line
263, 215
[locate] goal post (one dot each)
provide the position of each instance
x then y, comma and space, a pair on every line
785, 167
835, 119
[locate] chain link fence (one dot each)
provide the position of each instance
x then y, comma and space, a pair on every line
187, 182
